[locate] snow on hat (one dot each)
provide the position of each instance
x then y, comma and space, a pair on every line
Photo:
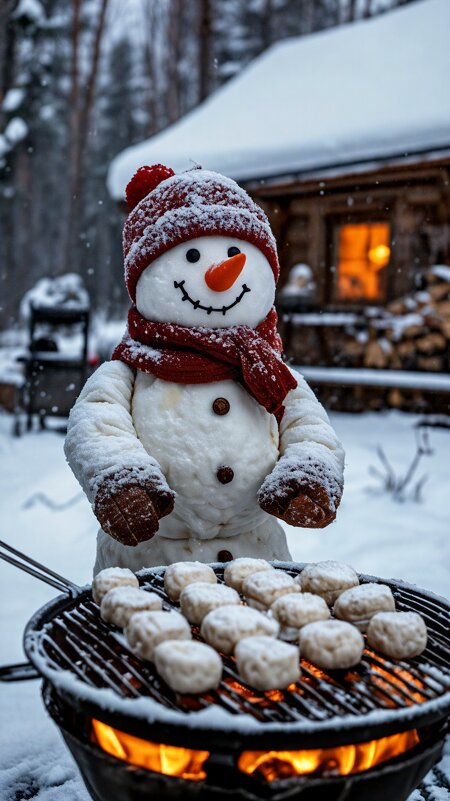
167, 209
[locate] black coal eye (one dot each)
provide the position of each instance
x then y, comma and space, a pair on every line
233, 251
193, 255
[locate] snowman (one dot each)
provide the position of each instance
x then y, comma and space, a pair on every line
196, 438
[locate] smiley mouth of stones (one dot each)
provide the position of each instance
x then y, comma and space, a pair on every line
209, 309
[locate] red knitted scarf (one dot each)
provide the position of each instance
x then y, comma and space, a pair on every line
202, 355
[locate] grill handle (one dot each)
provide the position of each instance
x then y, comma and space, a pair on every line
23, 671
36, 569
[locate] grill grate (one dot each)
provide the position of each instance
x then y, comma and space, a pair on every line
77, 640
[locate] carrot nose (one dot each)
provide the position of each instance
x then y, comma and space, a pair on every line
222, 276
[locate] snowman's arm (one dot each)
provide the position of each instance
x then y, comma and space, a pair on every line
305, 486
305, 427
101, 442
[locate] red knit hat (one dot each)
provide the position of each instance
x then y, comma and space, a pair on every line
167, 209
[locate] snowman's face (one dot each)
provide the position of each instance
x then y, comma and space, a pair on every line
213, 281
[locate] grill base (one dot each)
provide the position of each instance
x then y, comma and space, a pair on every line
110, 779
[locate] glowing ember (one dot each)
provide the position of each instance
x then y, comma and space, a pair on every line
167, 759
271, 765
400, 678
342, 760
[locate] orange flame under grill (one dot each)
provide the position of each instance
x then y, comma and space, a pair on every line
167, 759
341, 760
187, 763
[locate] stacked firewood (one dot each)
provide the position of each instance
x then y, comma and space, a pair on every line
412, 333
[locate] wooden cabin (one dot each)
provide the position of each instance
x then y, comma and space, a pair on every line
369, 236
343, 137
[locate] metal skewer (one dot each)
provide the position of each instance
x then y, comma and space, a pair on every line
36, 569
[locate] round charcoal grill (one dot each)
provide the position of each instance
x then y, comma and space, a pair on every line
88, 666
91, 680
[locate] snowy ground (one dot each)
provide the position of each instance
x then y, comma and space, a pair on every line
45, 514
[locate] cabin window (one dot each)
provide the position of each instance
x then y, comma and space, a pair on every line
363, 254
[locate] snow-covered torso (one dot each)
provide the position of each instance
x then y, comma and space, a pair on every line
178, 427
128, 419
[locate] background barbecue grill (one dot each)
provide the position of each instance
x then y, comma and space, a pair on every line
78, 656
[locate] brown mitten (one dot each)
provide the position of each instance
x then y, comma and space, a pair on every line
129, 505
303, 493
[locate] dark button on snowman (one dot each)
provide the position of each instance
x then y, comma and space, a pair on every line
221, 406
172, 475
225, 474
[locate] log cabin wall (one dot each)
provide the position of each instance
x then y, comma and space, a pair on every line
413, 199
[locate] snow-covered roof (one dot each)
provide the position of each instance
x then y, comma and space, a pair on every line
374, 89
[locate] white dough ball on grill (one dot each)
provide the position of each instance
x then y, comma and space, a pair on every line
188, 667
180, 574
145, 630
198, 599
121, 602
400, 635
299, 608
262, 589
327, 579
112, 577
238, 570
331, 644
267, 664
223, 628
359, 604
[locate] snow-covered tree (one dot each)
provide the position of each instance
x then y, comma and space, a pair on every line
82, 79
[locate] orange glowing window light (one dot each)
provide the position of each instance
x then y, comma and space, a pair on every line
363, 253
342, 760
169, 760
379, 255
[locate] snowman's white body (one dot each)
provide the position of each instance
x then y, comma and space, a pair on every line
126, 418
178, 427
